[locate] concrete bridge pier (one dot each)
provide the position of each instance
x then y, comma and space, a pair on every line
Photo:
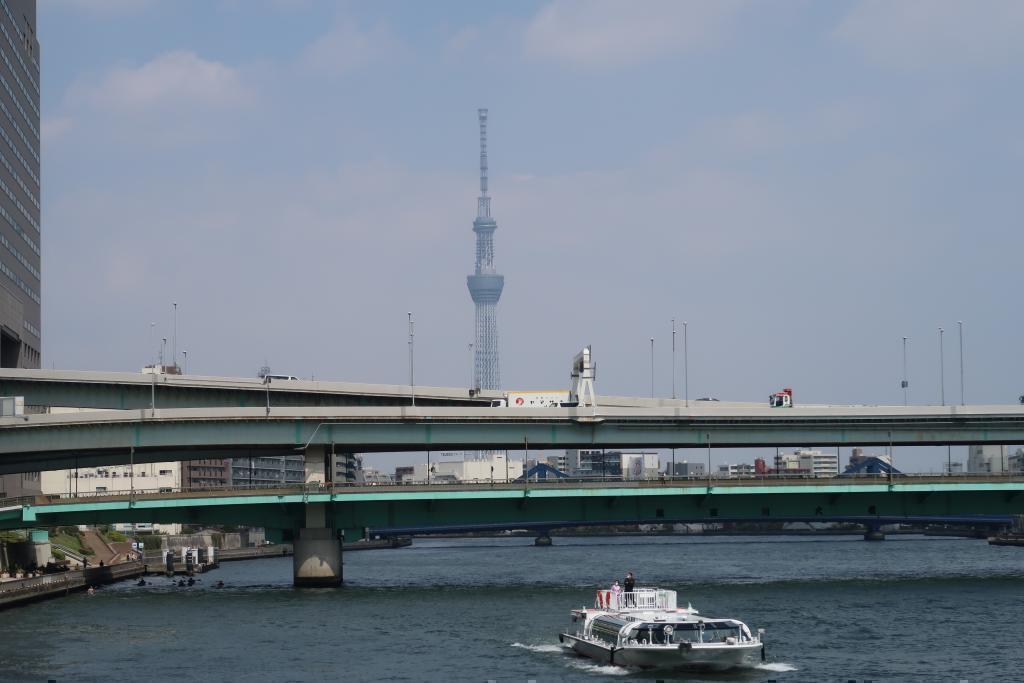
874, 533
317, 551
543, 541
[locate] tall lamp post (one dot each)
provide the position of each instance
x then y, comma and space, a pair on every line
686, 368
266, 383
960, 326
905, 384
412, 360
652, 367
673, 473
942, 371
673, 358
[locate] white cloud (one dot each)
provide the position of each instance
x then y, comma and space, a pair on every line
765, 132
174, 78
346, 48
53, 128
611, 32
917, 34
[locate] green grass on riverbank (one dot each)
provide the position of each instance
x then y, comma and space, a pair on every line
70, 537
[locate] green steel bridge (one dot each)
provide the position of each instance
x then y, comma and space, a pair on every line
395, 509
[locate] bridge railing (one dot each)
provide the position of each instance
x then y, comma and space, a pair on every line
514, 484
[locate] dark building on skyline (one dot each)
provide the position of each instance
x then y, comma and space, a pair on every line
20, 250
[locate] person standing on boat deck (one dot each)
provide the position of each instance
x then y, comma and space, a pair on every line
616, 592
629, 584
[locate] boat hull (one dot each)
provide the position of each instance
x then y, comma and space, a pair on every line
695, 657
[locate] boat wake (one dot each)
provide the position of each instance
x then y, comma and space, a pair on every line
541, 648
603, 669
776, 666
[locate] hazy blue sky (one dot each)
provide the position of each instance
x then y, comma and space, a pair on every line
804, 182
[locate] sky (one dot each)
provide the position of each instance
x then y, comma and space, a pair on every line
804, 183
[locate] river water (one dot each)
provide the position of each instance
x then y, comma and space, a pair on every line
911, 608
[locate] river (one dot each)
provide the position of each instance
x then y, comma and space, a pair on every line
910, 608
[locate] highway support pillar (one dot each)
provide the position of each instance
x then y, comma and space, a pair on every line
874, 533
317, 551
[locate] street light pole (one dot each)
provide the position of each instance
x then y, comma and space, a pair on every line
673, 473
942, 370
686, 367
905, 384
652, 367
184, 370
412, 360
174, 335
960, 326
673, 358
266, 383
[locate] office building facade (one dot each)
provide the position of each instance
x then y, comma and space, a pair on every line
20, 290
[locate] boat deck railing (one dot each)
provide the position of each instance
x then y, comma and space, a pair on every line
640, 599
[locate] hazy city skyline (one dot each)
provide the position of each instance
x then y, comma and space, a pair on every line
804, 184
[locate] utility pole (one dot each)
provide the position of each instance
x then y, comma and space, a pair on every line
686, 367
652, 367
412, 361
174, 335
673, 358
960, 325
942, 371
904, 383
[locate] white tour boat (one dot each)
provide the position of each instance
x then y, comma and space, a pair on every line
645, 628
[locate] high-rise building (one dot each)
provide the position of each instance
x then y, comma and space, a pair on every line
485, 284
20, 291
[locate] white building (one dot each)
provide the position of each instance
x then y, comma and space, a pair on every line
1015, 463
157, 477
817, 463
642, 465
987, 459
742, 469
162, 477
492, 467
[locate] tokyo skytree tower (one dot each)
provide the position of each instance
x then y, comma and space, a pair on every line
485, 284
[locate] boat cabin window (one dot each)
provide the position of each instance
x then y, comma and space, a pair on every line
717, 632
689, 632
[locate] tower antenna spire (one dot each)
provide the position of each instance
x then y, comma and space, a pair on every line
484, 203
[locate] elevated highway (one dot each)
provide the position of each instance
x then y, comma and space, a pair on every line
57, 441
134, 390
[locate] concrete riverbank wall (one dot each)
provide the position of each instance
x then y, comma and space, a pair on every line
21, 591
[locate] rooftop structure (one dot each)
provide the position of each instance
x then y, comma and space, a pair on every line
485, 285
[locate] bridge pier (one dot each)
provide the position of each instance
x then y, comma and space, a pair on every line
874, 533
317, 551
542, 541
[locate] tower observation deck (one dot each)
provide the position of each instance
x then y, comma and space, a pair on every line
485, 284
